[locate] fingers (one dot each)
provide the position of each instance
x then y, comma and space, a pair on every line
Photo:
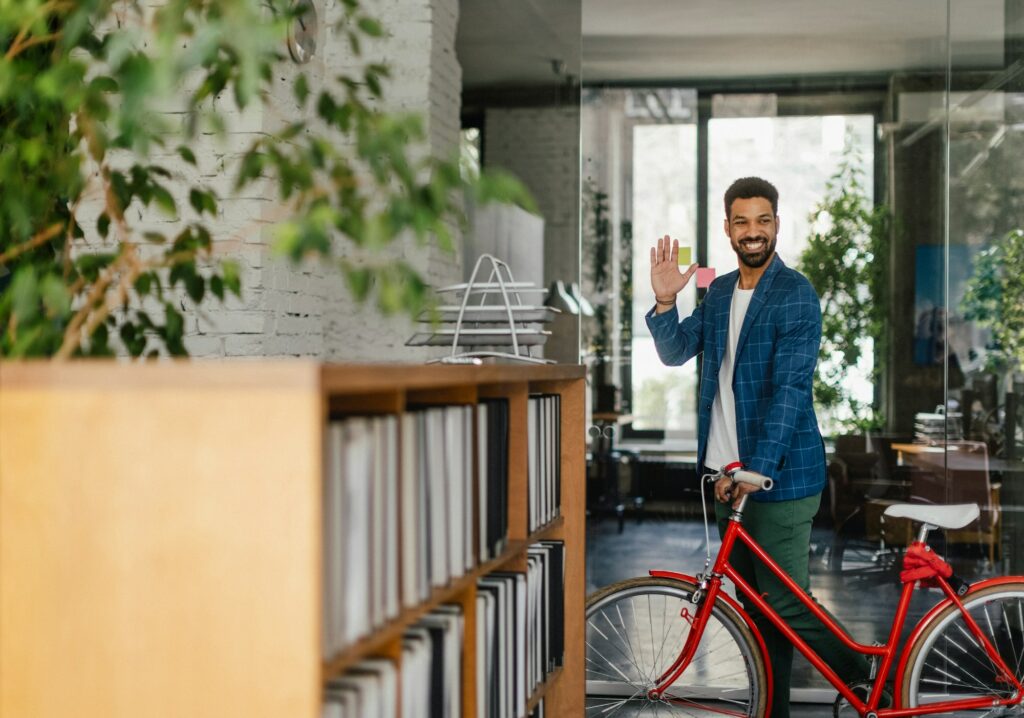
689, 272
667, 249
740, 491
723, 490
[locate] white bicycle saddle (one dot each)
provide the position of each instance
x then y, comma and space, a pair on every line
944, 516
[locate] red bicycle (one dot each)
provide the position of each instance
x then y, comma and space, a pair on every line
679, 645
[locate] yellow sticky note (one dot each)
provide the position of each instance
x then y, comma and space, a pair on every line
685, 257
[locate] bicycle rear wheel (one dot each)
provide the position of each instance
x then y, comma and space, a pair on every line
635, 631
948, 663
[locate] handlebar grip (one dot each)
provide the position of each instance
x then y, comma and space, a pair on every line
749, 477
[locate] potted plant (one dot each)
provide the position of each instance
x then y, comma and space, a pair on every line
85, 144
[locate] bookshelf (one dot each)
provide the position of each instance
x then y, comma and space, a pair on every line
161, 532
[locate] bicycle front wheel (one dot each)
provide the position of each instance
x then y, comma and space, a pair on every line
635, 631
948, 663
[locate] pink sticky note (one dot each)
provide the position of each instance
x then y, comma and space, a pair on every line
705, 275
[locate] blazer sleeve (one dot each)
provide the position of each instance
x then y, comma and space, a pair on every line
677, 341
796, 355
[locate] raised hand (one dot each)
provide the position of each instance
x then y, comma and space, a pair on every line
666, 279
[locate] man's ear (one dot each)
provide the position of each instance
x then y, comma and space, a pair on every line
725, 225
778, 225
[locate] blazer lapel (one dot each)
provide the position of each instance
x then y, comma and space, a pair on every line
757, 301
722, 318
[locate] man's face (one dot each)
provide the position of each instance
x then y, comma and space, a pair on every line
752, 228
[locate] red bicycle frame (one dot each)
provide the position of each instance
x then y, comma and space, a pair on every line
888, 652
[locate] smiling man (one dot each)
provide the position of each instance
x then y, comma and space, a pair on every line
759, 329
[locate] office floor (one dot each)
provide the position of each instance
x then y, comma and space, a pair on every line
677, 542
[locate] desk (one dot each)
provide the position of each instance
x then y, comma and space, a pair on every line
956, 459
1007, 496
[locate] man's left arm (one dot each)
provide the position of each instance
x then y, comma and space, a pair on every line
793, 362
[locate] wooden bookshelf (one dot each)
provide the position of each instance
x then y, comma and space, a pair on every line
161, 538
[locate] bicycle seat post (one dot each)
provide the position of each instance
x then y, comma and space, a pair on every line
922, 534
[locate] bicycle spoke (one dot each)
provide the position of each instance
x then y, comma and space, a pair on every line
951, 662
679, 645
625, 632
687, 702
616, 679
612, 665
646, 646
651, 622
619, 649
632, 605
972, 656
664, 636
616, 706
1009, 636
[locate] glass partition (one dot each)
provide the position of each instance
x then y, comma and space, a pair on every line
984, 250
895, 134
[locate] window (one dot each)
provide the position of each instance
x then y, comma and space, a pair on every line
643, 151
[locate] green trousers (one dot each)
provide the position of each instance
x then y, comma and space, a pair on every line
783, 529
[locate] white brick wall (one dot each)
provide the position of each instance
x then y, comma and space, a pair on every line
427, 79
306, 311
541, 147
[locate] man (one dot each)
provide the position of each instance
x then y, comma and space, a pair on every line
759, 329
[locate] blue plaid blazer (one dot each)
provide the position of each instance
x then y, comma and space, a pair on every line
777, 351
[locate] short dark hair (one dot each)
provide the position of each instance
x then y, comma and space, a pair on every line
747, 187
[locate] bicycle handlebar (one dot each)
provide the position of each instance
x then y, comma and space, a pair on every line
754, 479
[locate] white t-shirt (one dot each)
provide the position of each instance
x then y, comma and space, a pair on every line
723, 447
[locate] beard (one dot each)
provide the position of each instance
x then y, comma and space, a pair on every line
754, 259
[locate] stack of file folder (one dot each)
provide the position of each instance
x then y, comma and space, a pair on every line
488, 318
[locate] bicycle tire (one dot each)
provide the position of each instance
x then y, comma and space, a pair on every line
946, 662
728, 671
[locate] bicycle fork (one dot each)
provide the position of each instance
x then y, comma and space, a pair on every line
704, 597
710, 583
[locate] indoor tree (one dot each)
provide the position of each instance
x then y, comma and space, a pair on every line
846, 260
994, 298
84, 141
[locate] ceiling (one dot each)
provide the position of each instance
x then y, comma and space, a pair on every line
513, 42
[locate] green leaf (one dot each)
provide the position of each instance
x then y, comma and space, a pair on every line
195, 285
56, 298
174, 329
359, 280
104, 83
164, 200
25, 294
301, 89
133, 338
371, 27
90, 265
231, 278
187, 155
202, 201
217, 287
373, 85
103, 225
99, 342
143, 283
251, 167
